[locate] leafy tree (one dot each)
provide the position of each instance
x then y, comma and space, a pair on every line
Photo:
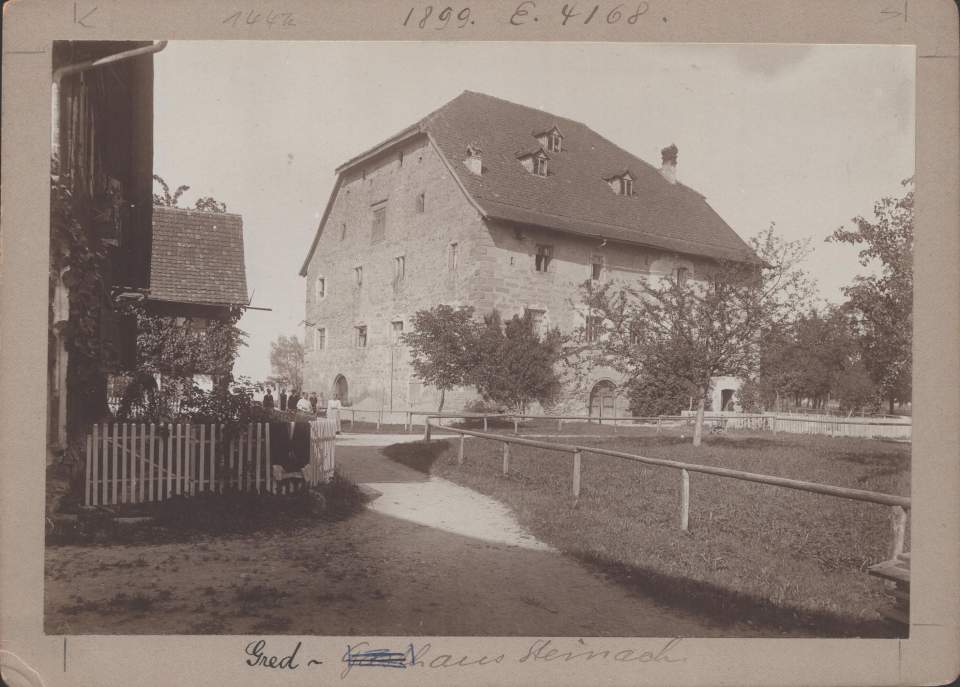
657, 394
855, 389
882, 303
695, 330
286, 361
208, 204
443, 347
517, 364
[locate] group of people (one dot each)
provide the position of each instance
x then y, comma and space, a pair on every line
301, 403
292, 401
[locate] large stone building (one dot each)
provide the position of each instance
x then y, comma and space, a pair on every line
495, 205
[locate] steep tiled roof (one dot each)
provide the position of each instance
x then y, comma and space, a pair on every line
574, 196
197, 257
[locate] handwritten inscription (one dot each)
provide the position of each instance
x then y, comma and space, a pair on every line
438, 17
365, 655
253, 18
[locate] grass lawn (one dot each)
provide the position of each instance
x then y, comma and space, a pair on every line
754, 552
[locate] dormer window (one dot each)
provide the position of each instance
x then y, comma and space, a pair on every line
535, 162
551, 140
621, 184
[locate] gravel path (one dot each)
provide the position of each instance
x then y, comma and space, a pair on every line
426, 558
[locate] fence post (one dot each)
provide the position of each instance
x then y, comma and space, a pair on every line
515, 425
409, 426
684, 500
659, 420
379, 419
460, 451
353, 416
506, 457
87, 472
899, 519
576, 474
484, 423
426, 428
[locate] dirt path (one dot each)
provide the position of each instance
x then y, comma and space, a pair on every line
375, 574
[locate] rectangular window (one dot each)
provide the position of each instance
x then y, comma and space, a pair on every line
626, 186
320, 288
540, 166
399, 270
593, 328
596, 268
543, 258
361, 336
681, 276
397, 329
343, 230
421, 202
379, 228
539, 320
320, 339
358, 274
453, 257
554, 142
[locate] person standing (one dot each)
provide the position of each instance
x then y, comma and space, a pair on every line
333, 411
303, 405
283, 399
268, 400
313, 401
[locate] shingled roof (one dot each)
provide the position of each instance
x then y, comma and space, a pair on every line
574, 197
197, 257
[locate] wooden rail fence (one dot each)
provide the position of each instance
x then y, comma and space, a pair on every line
141, 462
899, 505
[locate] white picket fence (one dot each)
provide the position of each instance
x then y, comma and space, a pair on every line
140, 462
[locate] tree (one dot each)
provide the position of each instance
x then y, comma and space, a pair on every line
166, 199
286, 361
443, 347
855, 389
883, 303
517, 364
657, 393
693, 330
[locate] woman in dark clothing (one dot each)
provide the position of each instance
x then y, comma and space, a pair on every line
268, 400
313, 402
283, 399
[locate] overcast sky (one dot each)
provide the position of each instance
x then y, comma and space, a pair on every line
804, 136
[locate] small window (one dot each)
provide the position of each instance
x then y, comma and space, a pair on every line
681, 275
358, 274
361, 337
319, 339
540, 166
543, 258
421, 202
626, 186
343, 230
554, 142
539, 320
320, 289
453, 257
593, 328
399, 269
396, 328
379, 227
596, 268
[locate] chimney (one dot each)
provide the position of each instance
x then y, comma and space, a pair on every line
668, 167
474, 161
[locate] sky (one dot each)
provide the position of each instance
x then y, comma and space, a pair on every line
807, 137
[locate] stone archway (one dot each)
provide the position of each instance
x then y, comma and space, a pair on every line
341, 391
603, 399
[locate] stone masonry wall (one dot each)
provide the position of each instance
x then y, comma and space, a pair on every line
423, 239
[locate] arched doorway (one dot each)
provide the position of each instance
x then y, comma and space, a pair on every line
602, 398
340, 389
726, 399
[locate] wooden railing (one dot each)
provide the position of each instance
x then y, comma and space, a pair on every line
140, 462
899, 504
